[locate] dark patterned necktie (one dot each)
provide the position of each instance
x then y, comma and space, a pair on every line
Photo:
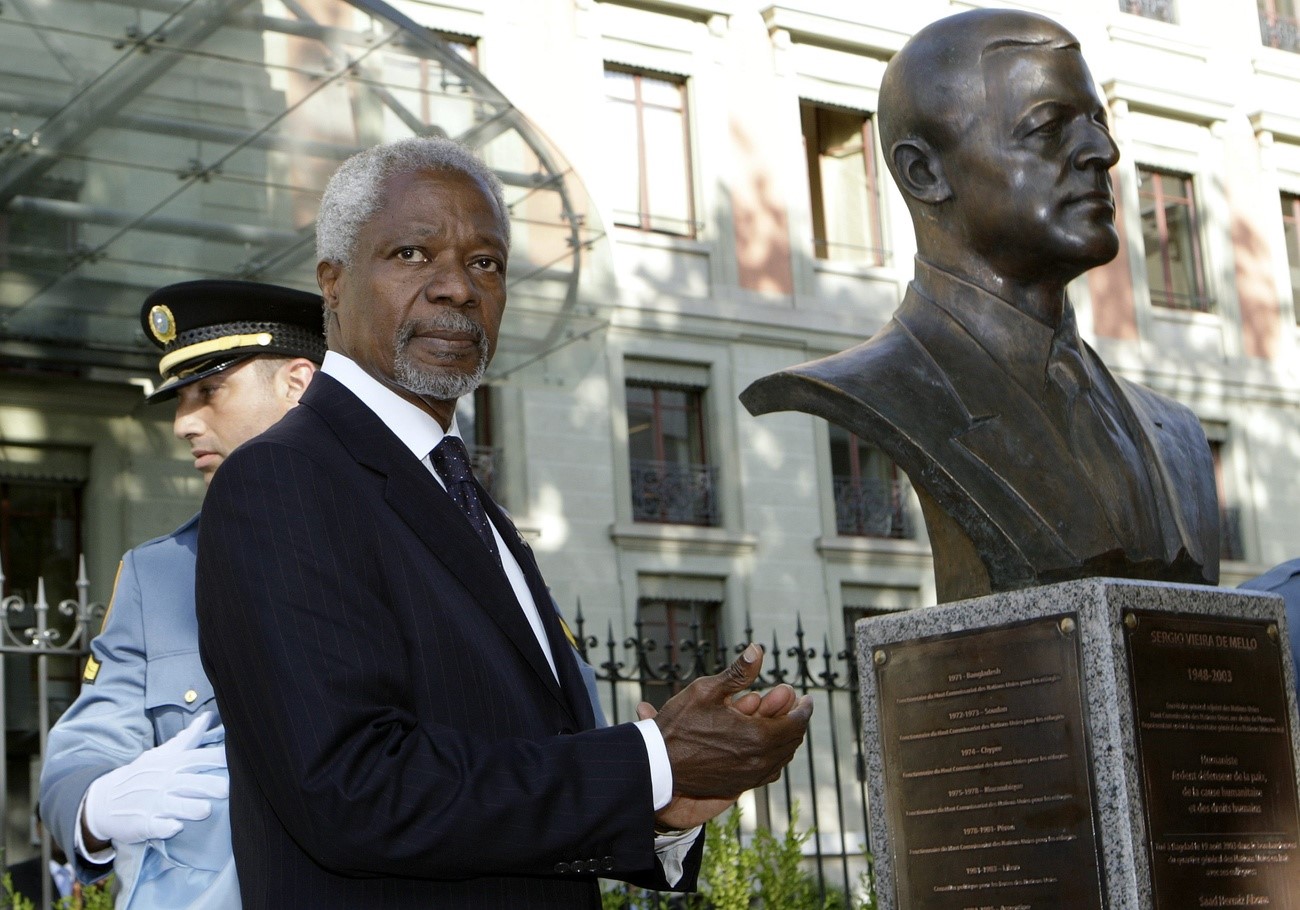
451, 460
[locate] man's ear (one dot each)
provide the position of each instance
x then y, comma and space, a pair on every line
295, 376
327, 276
920, 170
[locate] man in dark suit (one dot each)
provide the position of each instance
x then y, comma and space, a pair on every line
1033, 462
406, 725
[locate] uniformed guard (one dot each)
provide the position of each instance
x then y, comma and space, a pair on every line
135, 777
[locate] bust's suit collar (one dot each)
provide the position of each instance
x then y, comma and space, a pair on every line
418, 500
1021, 344
1006, 415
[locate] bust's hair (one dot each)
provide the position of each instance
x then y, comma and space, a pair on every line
355, 193
933, 88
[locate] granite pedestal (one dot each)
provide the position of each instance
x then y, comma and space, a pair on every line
1102, 743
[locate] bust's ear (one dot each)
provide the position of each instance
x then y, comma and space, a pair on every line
920, 170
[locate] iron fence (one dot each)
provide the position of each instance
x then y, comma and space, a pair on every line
825, 785
57, 630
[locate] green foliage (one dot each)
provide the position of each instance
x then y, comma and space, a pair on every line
781, 879
728, 869
9, 898
98, 896
626, 897
768, 874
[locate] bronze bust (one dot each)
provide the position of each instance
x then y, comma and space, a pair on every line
1033, 463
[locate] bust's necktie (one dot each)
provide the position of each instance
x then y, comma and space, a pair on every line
1100, 439
451, 461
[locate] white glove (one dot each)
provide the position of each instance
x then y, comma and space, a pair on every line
153, 796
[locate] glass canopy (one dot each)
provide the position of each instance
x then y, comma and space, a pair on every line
144, 142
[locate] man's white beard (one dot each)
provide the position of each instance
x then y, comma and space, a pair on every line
438, 385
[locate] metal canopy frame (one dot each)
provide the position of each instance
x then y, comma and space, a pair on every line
153, 141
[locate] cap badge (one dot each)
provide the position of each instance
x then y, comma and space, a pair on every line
162, 323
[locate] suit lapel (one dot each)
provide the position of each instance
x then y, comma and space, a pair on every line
570, 680
426, 508
1002, 424
1181, 525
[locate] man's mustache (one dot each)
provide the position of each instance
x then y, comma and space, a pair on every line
442, 321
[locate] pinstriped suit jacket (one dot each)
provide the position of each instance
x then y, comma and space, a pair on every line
395, 736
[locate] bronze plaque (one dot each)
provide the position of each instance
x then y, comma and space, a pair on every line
1214, 751
988, 783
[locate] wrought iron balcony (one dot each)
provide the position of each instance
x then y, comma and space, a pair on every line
870, 508
671, 493
1231, 542
1150, 9
1282, 32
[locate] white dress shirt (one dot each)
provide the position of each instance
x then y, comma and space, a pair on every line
419, 431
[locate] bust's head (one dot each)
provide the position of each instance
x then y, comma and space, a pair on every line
996, 135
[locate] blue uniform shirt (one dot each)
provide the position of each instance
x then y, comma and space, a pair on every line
142, 686
1285, 580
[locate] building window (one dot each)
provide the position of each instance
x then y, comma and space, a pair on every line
842, 177
463, 46
40, 536
474, 418
683, 641
1150, 9
443, 96
1171, 237
1278, 26
39, 242
867, 489
441, 79
1231, 542
672, 481
649, 146
1291, 231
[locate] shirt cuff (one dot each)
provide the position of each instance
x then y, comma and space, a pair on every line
102, 857
661, 772
671, 850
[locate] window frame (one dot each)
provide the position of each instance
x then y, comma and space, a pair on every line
858, 452
877, 254
697, 396
1291, 216
10, 516
1201, 300
1232, 543
645, 218
1155, 10
1279, 24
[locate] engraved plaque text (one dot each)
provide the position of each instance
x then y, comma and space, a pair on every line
1214, 752
988, 785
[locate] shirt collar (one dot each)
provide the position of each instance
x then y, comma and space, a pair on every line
1018, 341
418, 430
